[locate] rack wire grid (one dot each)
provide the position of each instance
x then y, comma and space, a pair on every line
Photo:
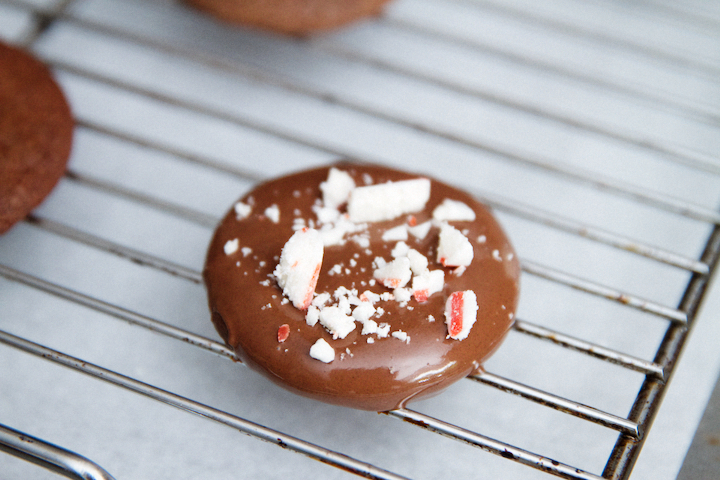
590, 127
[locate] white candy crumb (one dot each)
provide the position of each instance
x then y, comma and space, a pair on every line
400, 335
362, 241
336, 321
427, 283
418, 261
454, 249
363, 312
242, 210
273, 213
336, 189
326, 214
246, 251
369, 327
401, 249
460, 314
431, 319
453, 210
334, 233
496, 255
395, 233
322, 351
370, 340
383, 330
231, 246
321, 299
385, 201
299, 267
312, 316
369, 296
420, 231
482, 239
402, 294
394, 274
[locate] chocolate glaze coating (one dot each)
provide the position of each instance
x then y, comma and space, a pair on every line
373, 376
36, 130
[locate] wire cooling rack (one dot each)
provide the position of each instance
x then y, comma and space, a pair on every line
590, 127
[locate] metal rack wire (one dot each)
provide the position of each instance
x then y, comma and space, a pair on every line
62, 33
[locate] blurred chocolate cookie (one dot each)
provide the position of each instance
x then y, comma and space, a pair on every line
36, 128
295, 17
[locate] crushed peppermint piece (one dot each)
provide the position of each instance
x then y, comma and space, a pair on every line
242, 210
326, 214
396, 233
383, 330
385, 201
336, 189
420, 231
336, 321
370, 340
369, 327
482, 239
283, 333
321, 350
369, 296
460, 314
431, 319
401, 249
400, 335
418, 261
496, 255
334, 233
246, 251
453, 210
402, 295
427, 283
394, 274
321, 299
454, 249
299, 267
273, 213
231, 246
312, 316
363, 312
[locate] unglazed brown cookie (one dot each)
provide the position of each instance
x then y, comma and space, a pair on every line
296, 17
409, 353
36, 129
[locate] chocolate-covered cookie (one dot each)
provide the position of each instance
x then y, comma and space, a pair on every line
361, 285
295, 17
36, 129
